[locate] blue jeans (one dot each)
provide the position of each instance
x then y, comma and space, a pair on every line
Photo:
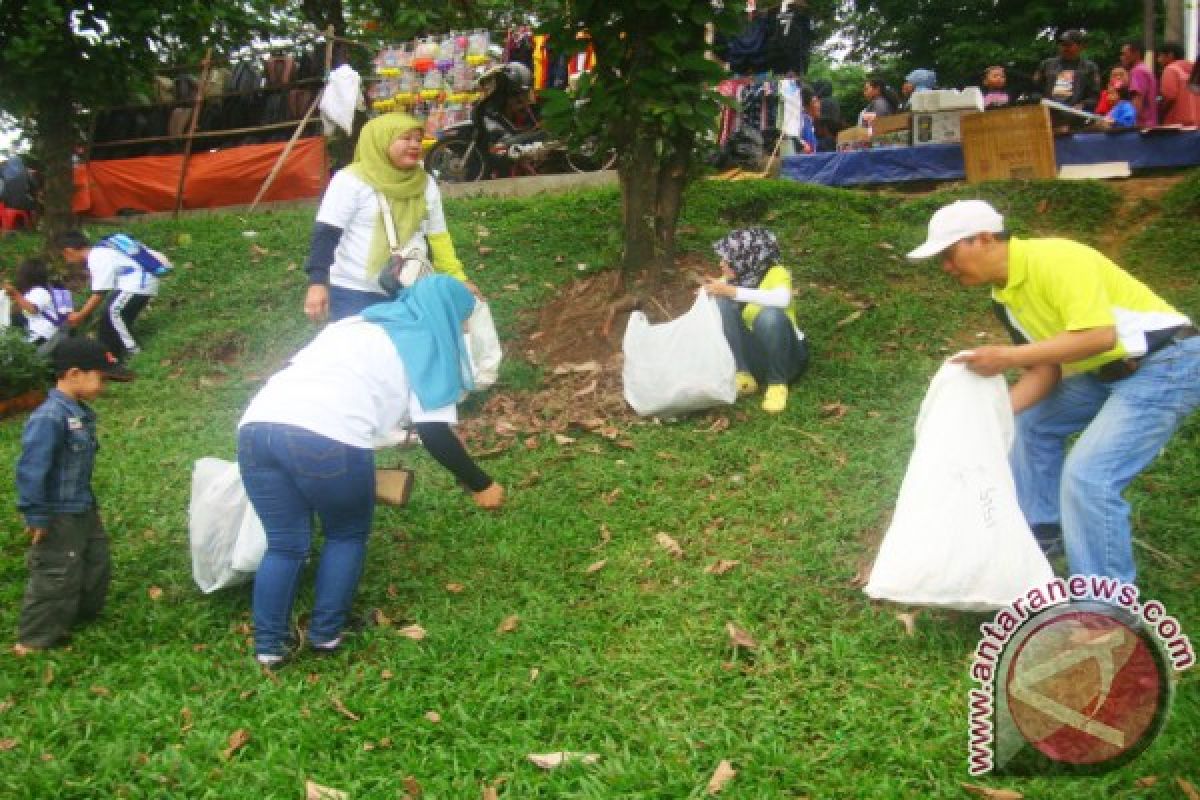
289, 474
348, 302
770, 351
1125, 425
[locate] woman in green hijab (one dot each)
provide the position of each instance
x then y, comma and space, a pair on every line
350, 242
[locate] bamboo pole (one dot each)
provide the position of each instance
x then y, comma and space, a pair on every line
198, 135
197, 105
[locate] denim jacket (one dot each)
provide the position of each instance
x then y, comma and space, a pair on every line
58, 451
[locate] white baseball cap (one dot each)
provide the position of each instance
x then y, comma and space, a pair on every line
955, 222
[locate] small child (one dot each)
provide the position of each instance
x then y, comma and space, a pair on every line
754, 295
69, 564
995, 87
44, 304
1123, 114
119, 283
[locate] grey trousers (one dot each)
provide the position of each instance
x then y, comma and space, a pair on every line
69, 571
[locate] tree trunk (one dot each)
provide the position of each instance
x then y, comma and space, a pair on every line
1173, 27
56, 139
672, 179
637, 176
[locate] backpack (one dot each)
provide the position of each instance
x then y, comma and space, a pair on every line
142, 255
64, 304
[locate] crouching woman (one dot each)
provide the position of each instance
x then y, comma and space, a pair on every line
305, 446
754, 294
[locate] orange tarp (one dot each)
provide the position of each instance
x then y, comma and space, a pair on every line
227, 177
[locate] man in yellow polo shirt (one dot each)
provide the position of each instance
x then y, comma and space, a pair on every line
1101, 355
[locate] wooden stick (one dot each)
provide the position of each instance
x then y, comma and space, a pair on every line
198, 135
262, 190
197, 104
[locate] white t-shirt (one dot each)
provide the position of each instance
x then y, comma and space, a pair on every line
348, 385
350, 204
40, 324
111, 269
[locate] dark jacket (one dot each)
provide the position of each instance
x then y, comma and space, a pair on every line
1085, 88
58, 453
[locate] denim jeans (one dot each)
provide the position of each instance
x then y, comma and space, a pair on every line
348, 302
290, 474
770, 351
1125, 425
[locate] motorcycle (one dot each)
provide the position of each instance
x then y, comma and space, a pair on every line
503, 137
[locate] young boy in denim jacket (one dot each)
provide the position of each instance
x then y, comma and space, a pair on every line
68, 559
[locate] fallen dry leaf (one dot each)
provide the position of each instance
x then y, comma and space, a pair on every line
340, 708
1042, 205
433, 717
739, 637
155, 592
605, 535
186, 714
414, 632
315, 791
722, 775
387, 675
666, 542
721, 566
596, 566
489, 793
8, 744
381, 619
237, 740
101, 691
909, 620
563, 440
1146, 781
834, 410
1186, 787
484, 250
586, 390
533, 674
455, 588
555, 760
844, 321
412, 789
509, 624
992, 794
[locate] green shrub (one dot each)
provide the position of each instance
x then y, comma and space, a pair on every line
22, 369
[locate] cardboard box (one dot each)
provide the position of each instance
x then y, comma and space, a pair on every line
891, 123
851, 137
938, 127
1008, 144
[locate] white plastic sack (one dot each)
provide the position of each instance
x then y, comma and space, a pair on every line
215, 516
958, 538
251, 542
679, 366
483, 347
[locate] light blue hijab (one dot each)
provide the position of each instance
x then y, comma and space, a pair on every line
425, 323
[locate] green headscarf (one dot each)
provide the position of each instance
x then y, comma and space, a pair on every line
404, 188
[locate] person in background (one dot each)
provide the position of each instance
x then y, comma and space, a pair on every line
829, 123
350, 245
1122, 113
306, 447
919, 80
1118, 78
1069, 78
995, 87
1100, 355
754, 294
1180, 105
32, 292
1143, 88
121, 290
69, 563
878, 105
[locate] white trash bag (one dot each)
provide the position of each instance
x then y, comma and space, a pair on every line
483, 347
679, 366
217, 515
958, 538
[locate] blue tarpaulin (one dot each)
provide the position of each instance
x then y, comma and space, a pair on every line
944, 162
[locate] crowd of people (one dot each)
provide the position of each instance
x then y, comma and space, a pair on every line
1101, 355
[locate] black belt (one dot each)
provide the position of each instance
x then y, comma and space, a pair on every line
1155, 340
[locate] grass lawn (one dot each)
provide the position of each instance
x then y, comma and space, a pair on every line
630, 661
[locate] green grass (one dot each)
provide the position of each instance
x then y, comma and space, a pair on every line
632, 662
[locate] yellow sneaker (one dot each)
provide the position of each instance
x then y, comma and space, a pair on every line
775, 399
746, 384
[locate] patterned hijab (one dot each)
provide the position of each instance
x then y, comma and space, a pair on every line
750, 253
404, 188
